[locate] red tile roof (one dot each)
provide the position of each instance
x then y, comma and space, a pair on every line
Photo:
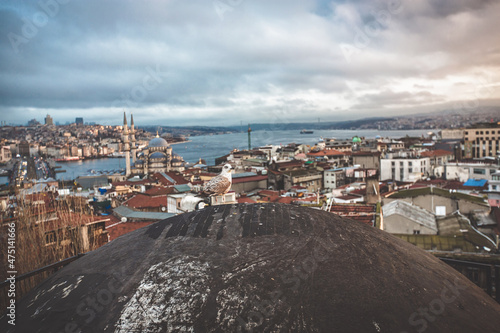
248, 179
289, 164
159, 190
331, 152
175, 176
118, 229
360, 212
435, 153
245, 200
269, 193
366, 153
141, 201
285, 200
129, 183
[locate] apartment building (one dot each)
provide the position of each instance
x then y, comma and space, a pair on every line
405, 167
482, 140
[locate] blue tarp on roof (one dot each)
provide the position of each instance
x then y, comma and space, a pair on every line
476, 182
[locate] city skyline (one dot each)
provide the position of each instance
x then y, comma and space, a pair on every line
226, 62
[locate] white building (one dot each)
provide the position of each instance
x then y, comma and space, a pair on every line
464, 171
5, 154
494, 182
405, 168
333, 178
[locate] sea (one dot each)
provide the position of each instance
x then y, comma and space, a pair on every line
210, 147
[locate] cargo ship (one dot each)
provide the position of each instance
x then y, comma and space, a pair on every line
306, 132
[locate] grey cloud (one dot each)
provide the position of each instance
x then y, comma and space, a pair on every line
92, 54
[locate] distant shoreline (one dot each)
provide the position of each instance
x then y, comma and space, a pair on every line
176, 143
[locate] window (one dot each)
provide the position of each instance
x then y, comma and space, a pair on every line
416, 232
410, 170
479, 171
410, 163
50, 238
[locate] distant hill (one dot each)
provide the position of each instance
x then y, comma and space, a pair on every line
313, 125
187, 130
204, 130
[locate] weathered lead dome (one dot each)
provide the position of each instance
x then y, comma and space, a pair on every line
158, 142
261, 267
157, 155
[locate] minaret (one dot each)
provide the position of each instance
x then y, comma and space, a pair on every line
126, 147
133, 147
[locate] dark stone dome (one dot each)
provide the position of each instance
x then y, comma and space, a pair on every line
158, 142
261, 267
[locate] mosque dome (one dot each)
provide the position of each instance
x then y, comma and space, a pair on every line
157, 155
261, 268
158, 142
356, 139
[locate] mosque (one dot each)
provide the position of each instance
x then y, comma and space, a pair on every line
156, 157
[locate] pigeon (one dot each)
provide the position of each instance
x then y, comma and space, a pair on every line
220, 184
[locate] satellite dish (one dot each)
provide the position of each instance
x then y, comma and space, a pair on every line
124, 219
163, 209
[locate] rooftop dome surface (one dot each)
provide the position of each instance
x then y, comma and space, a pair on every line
158, 142
257, 267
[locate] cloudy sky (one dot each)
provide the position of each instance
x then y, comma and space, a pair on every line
224, 62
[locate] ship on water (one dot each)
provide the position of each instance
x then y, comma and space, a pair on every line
306, 132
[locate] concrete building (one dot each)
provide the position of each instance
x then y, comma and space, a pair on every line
401, 217
494, 182
310, 179
5, 154
482, 140
439, 201
438, 159
333, 178
247, 182
366, 159
389, 145
49, 121
405, 168
463, 171
452, 134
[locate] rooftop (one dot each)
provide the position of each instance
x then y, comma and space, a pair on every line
313, 269
412, 212
436, 191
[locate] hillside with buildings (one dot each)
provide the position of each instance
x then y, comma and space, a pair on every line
440, 192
